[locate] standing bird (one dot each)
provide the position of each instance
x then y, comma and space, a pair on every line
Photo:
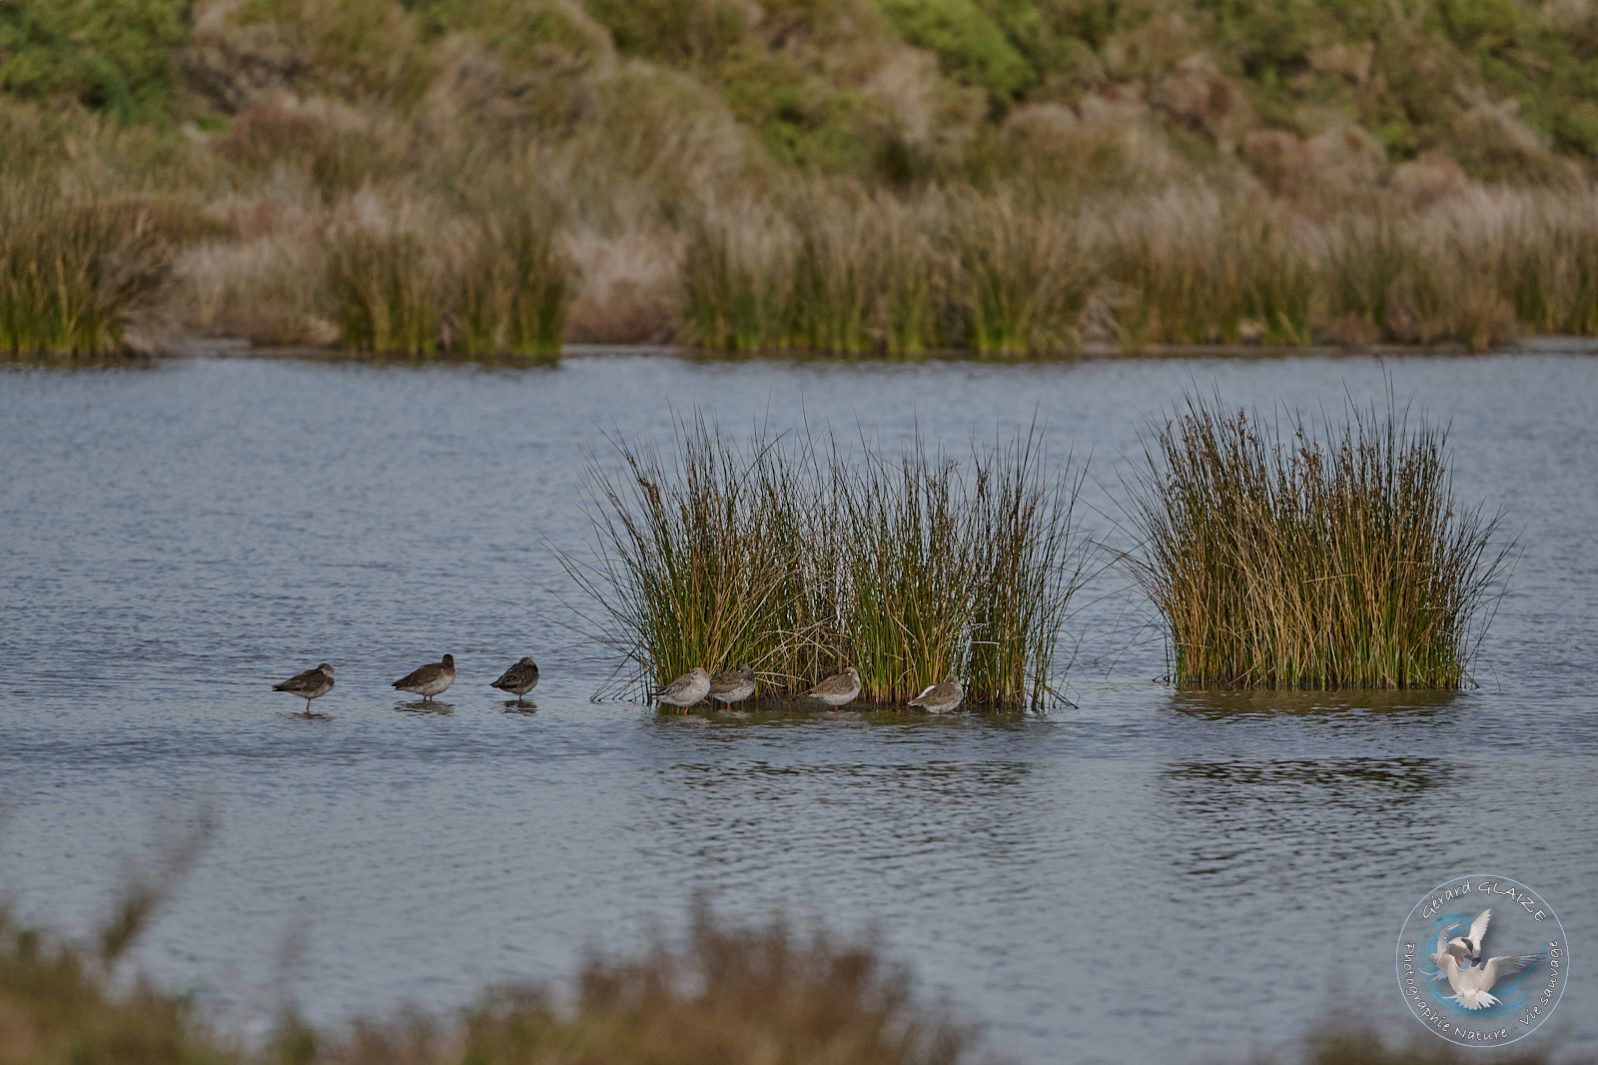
312, 684
941, 698
429, 680
838, 689
518, 679
733, 687
686, 690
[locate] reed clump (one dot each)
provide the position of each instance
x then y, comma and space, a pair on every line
1193, 268
1022, 277
513, 289
1281, 560
847, 272
499, 289
797, 557
73, 271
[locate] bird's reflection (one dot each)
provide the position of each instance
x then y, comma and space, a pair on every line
429, 706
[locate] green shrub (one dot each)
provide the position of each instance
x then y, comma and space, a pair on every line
115, 56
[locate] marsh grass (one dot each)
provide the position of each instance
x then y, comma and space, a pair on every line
1194, 269
1280, 560
385, 289
797, 556
737, 280
73, 271
512, 289
499, 289
719, 993
1022, 277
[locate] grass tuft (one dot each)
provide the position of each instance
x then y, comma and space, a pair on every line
1279, 560
798, 558
502, 290
71, 272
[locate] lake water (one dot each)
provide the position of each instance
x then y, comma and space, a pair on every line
1146, 875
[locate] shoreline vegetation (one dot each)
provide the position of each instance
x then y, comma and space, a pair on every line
724, 993
478, 179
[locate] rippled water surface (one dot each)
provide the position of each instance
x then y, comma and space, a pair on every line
1147, 874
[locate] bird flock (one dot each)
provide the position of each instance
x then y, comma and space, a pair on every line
426, 681
692, 687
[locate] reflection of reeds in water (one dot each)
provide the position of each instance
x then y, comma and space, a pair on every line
1296, 563
794, 556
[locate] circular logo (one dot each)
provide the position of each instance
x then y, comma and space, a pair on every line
1482, 960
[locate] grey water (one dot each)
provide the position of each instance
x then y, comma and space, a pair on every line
1143, 874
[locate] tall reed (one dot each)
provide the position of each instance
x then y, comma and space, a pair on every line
71, 272
1194, 268
386, 290
737, 280
500, 288
1279, 560
1022, 279
798, 557
512, 288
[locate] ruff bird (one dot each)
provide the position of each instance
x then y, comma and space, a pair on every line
686, 690
838, 689
429, 680
734, 687
518, 679
941, 698
312, 684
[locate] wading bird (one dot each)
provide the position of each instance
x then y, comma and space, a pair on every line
312, 684
941, 698
838, 689
518, 679
686, 690
734, 687
429, 680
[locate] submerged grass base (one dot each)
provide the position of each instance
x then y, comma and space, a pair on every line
797, 558
1281, 561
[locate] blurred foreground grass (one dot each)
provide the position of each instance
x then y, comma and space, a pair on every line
753, 996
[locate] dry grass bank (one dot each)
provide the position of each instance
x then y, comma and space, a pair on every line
473, 178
